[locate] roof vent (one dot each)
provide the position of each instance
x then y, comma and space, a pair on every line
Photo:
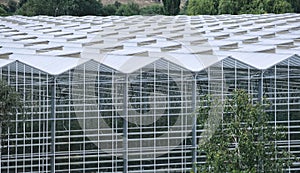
5, 55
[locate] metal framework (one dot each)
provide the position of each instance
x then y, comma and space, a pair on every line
119, 94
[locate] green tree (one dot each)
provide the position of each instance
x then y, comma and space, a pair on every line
82, 7
128, 9
36, 7
21, 3
295, 4
10, 106
152, 10
2, 12
228, 7
254, 7
207, 7
117, 4
184, 9
109, 10
171, 7
12, 6
244, 141
282, 6
61, 7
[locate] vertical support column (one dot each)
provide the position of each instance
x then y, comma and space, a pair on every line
1, 132
53, 112
85, 98
260, 87
194, 128
289, 114
260, 99
275, 97
16, 117
115, 120
125, 124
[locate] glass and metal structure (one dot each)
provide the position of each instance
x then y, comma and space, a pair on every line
120, 94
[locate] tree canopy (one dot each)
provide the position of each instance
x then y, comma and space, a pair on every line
60, 7
10, 105
84, 7
152, 10
295, 4
201, 7
242, 6
244, 141
171, 7
128, 9
3, 12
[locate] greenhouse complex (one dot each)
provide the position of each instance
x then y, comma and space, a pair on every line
121, 94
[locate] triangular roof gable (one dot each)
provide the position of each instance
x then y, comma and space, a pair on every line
49, 64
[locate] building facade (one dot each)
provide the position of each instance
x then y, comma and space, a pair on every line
120, 94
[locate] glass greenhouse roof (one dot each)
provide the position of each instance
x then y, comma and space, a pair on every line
57, 44
4, 62
260, 61
49, 64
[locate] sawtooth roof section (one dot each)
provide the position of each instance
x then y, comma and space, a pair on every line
49, 64
58, 44
261, 61
5, 62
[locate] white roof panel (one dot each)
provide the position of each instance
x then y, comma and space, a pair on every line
4, 62
129, 43
258, 60
126, 64
193, 62
49, 64
255, 48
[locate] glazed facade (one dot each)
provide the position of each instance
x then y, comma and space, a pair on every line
100, 95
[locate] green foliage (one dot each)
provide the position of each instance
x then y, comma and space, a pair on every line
61, 7
36, 7
4, 7
8, 8
183, 10
109, 10
10, 105
117, 4
3, 12
196, 7
244, 141
12, 6
255, 7
21, 3
295, 4
82, 7
281, 6
152, 10
241, 6
128, 9
228, 7
171, 7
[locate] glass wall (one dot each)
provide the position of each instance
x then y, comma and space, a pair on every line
95, 119
26, 148
216, 84
281, 88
